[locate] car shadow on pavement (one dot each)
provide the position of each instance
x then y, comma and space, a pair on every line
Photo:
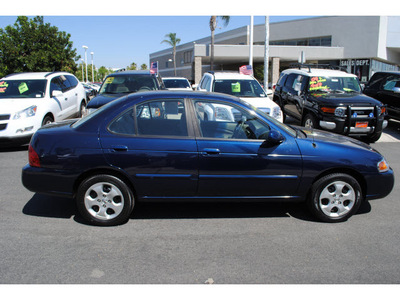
14, 149
50, 207
65, 208
219, 210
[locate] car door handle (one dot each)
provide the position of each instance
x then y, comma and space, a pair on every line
211, 151
119, 148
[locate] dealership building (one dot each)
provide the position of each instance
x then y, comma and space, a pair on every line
361, 44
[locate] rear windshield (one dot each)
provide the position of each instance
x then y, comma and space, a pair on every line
126, 84
23, 88
176, 83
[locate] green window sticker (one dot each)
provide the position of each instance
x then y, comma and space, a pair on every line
23, 88
236, 87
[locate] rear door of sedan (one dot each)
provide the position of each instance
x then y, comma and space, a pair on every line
156, 149
234, 160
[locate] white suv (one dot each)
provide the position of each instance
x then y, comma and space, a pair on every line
31, 100
246, 87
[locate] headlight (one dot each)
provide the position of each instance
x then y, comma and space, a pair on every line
276, 113
383, 166
340, 112
26, 113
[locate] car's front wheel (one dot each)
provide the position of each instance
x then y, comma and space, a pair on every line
310, 121
104, 200
335, 197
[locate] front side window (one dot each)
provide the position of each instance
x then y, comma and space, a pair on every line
239, 88
22, 88
228, 121
161, 118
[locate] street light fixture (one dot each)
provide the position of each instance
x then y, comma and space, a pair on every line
92, 53
83, 71
86, 47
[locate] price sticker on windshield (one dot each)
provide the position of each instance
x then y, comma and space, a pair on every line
236, 87
109, 80
23, 87
3, 86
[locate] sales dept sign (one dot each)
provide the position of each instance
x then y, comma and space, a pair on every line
354, 62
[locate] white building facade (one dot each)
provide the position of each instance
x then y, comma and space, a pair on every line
361, 44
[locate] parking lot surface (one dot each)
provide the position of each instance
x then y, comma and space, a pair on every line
45, 241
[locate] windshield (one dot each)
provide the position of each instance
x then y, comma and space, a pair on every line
176, 83
334, 84
239, 88
121, 84
22, 88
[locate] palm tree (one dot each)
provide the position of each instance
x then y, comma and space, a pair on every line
173, 41
213, 26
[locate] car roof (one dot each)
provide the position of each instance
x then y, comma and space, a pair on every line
231, 75
131, 72
318, 72
172, 78
33, 75
388, 72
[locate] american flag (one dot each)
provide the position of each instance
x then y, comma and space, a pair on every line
246, 70
154, 67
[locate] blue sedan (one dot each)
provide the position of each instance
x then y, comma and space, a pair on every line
194, 146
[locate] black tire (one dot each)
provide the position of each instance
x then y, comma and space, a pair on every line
82, 109
335, 198
47, 120
373, 137
104, 200
310, 121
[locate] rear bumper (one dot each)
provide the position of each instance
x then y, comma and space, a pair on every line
48, 181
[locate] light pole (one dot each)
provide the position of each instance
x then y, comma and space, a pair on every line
83, 71
86, 47
92, 53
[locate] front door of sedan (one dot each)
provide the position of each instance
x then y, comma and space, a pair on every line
155, 149
236, 162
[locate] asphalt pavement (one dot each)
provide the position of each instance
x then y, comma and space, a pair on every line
44, 241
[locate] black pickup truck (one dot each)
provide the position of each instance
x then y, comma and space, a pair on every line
331, 100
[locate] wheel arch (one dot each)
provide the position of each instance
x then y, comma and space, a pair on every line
104, 171
356, 175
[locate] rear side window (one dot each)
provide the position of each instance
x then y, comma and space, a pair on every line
161, 118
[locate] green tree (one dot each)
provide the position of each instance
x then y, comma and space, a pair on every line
133, 66
102, 72
32, 46
143, 67
213, 26
173, 41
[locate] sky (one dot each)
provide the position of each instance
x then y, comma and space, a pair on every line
119, 35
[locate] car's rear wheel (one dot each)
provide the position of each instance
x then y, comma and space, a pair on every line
335, 197
104, 200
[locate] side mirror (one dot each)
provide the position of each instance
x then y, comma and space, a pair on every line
56, 93
273, 138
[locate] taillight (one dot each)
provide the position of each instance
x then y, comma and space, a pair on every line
34, 160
